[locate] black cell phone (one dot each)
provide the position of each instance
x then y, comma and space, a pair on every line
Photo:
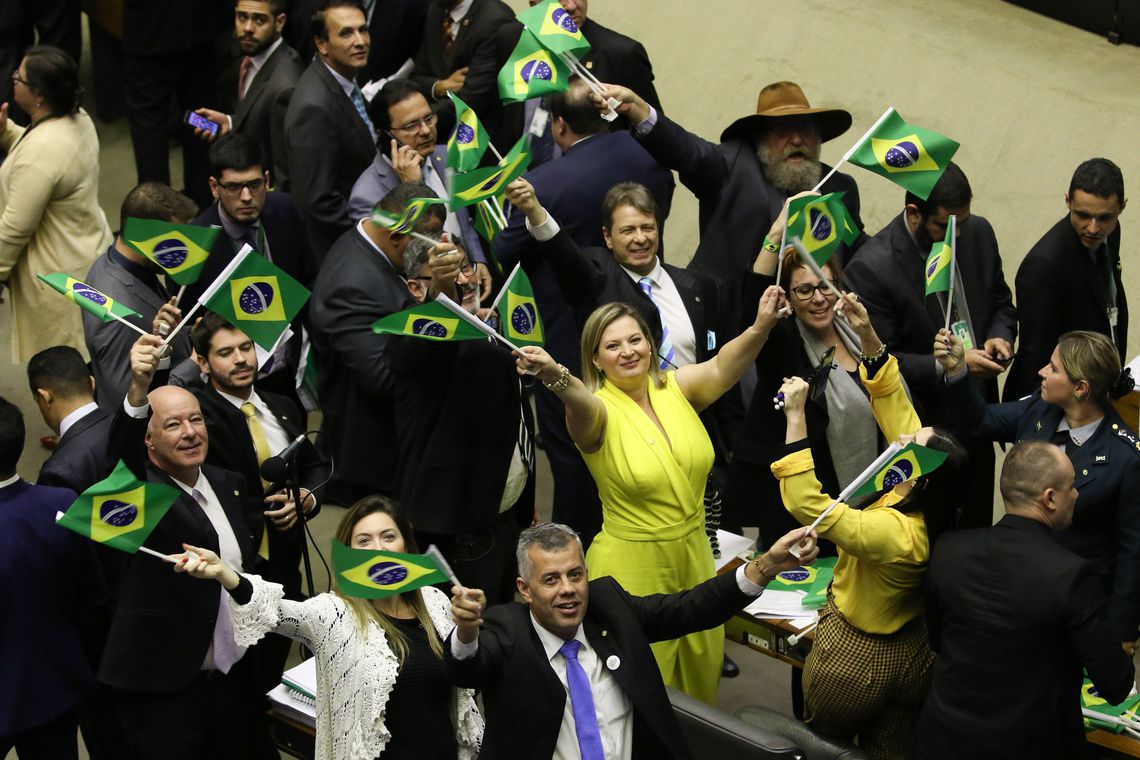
201, 122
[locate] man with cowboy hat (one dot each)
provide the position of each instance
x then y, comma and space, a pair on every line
741, 184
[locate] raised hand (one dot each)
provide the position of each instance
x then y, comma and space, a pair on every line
467, 605
533, 360
852, 307
407, 162
793, 393
770, 309
949, 352
521, 195
203, 563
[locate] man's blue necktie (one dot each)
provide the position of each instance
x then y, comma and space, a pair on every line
361, 108
665, 350
582, 703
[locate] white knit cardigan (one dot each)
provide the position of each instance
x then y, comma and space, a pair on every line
355, 674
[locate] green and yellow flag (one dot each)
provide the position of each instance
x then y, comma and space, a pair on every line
468, 188
377, 574
554, 28
912, 462
180, 250
939, 265
468, 141
406, 221
88, 298
821, 223
257, 298
911, 157
813, 580
487, 223
531, 71
518, 313
120, 511
430, 320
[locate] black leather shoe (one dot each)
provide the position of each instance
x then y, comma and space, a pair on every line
730, 669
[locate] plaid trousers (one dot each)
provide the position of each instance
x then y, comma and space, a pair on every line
865, 685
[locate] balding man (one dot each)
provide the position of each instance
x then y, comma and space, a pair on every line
1015, 617
182, 686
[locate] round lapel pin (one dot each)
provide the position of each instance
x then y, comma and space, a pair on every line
613, 662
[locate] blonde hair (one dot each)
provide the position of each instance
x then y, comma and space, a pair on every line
601, 318
1092, 357
362, 608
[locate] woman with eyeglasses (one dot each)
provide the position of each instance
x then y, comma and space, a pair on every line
50, 219
640, 435
842, 433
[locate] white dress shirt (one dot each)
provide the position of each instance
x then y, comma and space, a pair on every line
674, 315
66, 423
10, 481
275, 435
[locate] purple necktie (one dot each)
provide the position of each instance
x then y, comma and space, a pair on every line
582, 703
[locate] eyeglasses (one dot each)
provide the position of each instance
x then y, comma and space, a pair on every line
414, 126
807, 292
235, 188
16, 78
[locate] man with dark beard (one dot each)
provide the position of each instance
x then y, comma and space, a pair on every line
742, 183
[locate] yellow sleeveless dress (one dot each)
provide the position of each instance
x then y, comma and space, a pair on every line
653, 520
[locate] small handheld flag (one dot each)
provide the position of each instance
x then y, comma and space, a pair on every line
88, 298
430, 320
554, 28
518, 312
532, 71
257, 298
488, 223
939, 269
821, 223
910, 156
406, 221
911, 462
468, 141
469, 188
378, 574
180, 250
119, 511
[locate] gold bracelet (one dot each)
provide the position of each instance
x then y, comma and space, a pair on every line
872, 358
560, 384
760, 569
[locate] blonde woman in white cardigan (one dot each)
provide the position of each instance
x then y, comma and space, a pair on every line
50, 219
380, 685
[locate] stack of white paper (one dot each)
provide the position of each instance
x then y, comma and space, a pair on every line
296, 696
779, 605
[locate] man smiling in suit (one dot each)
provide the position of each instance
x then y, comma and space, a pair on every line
575, 658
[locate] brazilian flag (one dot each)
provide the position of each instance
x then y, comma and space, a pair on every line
377, 574
88, 298
430, 320
532, 71
120, 511
813, 580
487, 223
1091, 700
821, 223
910, 156
468, 141
554, 28
180, 250
406, 221
518, 313
257, 298
468, 188
911, 462
939, 265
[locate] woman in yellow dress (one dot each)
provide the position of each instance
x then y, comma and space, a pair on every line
639, 432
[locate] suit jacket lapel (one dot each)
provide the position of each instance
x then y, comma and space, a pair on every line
343, 101
605, 647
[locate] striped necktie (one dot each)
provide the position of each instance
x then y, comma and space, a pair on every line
665, 351
362, 108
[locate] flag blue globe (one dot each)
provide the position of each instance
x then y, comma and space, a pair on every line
902, 155
118, 513
429, 327
91, 295
387, 573
256, 297
464, 134
900, 472
536, 70
524, 318
820, 224
170, 253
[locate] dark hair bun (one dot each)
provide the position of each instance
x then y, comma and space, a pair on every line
1124, 384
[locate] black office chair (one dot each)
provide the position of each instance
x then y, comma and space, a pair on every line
713, 733
814, 746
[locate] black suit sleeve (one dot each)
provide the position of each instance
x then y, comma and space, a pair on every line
347, 317
1040, 319
700, 164
974, 417
1098, 649
277, 140
128, 442
671, 616
315, 158
578, 276
485, 666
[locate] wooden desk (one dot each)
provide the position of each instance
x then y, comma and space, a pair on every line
292, 737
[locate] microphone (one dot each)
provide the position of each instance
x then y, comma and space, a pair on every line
275, 468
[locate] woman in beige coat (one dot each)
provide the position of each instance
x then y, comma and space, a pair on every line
50, 220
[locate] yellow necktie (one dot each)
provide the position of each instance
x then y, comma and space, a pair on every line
261, 448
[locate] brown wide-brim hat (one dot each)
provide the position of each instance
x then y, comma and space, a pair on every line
787, 99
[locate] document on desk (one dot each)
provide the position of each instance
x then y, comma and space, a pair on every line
780, 605
296, 695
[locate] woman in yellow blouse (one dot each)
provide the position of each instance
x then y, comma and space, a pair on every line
50, 220
869, 668
639, 432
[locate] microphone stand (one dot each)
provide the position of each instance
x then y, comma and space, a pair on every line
293, 485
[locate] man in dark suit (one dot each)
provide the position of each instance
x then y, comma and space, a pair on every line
328, 136
53, 596
578, 650
455, 32
362, 281
181, 686
681, 307
888, 274
265, 73
268, 222
1014, 618
470, 495
612, 57
1071, 279
743, 183
407, 136
130, 278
